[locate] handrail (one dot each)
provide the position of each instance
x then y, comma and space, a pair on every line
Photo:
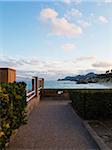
39, 88
36, 87
31, 92
29, 98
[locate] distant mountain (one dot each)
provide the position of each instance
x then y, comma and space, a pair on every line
90, 75
79, 77
89, 78
75, 78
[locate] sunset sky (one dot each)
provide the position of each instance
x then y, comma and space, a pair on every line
52, 39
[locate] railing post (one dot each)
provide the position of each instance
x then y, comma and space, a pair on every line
42, 83
42, 90
33, 84
42, 86
36, 86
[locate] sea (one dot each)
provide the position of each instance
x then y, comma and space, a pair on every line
53, 84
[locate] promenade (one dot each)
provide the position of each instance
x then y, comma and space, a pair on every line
53, 125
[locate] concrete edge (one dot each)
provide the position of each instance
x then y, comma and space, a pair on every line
99, 142
96, 138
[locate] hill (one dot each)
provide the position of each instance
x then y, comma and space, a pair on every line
89, 78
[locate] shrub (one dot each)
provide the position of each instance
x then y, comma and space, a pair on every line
92, 104
12, 109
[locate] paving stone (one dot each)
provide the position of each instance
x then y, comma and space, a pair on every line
53, 125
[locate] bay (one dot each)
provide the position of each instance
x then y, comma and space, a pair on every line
53, 84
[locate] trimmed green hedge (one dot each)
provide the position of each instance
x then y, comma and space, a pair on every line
92, 104
12, 109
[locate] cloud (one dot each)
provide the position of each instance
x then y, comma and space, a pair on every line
59, 26
103, 19
48, 13
72, 1
105, 65
86, 58
22, 63
108, 1
63, 27
73, 13
51, 69
68, 46
28, 67
84, 24
6, 61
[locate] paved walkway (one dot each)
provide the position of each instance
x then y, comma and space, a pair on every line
53, 125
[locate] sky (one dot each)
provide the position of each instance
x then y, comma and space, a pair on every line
56, 38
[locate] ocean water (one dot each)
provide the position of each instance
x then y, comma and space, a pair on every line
53, 84
72, 85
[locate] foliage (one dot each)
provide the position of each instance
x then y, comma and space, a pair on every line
12, 109
92, 104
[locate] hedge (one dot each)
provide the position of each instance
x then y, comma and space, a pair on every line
92, 104
12, 109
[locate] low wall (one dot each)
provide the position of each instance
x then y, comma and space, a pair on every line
32, 104
53, 92
56, 93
